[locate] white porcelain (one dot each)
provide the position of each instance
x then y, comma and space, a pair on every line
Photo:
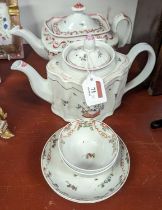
77, 188
59, 32
78, 21
63, 86
88, 55
99, 56
88, 146
5, 25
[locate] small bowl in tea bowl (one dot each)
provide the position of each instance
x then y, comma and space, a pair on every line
88, 147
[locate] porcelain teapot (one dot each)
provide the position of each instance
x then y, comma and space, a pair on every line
66, 73
58, 32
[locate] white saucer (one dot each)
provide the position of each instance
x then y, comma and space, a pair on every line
71, 186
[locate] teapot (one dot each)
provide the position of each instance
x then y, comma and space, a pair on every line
66, 73
58, 32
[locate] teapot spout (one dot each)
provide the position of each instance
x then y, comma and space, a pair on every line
39, 85
34, 42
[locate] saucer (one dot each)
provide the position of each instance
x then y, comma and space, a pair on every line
77, 188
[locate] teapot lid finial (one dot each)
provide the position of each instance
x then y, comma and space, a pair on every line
78, 7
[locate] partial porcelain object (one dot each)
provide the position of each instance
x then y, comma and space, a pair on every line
66, 73
89, 147
5, 25
81, 189
59, 32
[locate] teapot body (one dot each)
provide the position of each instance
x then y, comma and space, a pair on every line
69, 101
66, 77
66, 73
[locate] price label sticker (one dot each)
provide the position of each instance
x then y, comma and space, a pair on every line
94, 90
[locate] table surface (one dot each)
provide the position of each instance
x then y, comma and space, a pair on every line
22, 185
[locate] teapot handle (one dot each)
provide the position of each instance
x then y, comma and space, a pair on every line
116, 20
138, 48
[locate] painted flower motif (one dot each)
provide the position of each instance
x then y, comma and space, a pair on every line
55, 185
99, 54
69, 185
48, 174
81, 24
5, 26
49, 157
127, 157
64, 102
111, 189
85, 124
121, 179
54, 141
83, 58
90, 155
44, 154
107, 180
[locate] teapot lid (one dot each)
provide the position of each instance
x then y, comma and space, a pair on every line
78, 21
88, 54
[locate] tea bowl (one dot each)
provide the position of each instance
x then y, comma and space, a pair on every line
89, 147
